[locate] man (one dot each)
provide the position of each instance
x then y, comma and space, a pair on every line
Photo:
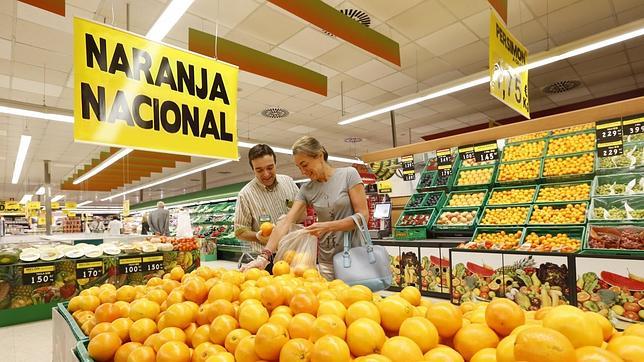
115, 226
264, 199
159, 220
96, 226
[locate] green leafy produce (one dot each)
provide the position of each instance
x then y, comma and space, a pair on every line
590, 282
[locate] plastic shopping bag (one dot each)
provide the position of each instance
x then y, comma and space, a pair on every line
299, 249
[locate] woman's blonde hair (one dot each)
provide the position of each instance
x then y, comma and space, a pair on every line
310, 147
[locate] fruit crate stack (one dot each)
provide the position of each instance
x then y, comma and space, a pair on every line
72, 224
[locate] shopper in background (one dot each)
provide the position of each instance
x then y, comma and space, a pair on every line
96, 226
115, 226
265, 198
335, 193
145, 226
159, 220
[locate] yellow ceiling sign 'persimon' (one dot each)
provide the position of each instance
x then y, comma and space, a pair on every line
133, 92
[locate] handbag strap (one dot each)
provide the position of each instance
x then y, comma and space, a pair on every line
365, 240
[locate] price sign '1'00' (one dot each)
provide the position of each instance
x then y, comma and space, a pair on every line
130, 265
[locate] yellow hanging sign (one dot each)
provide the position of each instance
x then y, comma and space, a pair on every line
133, 92
384, 187
126, 207
70, 205
33, 205
508, 70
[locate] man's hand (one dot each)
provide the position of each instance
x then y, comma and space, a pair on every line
260, 263
262, 239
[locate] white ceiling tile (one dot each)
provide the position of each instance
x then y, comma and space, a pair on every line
430, 128
392, 34
434, 17
393, 81
463, 9
43, 37
5, 49
540, 7
288, 56
479, 23
529, 32
384, 9
630, 15
602, 63
365, 92
383, 98
310, 43
270, 25
38, 16
473, 118
337, 102
370, 71
324, 70
253, 79
5, 81
228, 15
607, 75
31, 86
420, 113
518, 13
443, 78
344, 57
571, 94
466, 55
637, 53
570, 17
301, 129
294, 104
448, 39
405, 91
613, 86
623, 5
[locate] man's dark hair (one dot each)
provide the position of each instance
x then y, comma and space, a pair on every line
258, 151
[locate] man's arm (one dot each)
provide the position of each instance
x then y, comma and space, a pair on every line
243, 221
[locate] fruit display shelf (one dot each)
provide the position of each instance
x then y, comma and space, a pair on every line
566, 239
425, 200
469, 198
528, 137
415, 201
624, 209
618, 184
524, 150
473, 178
414, 224
571, 144
563, 192
561, 214
512, 195
519, 172
514, 215
573, 129
456, 220
614, 239
631, 160
495, 238
558, 169
425, 181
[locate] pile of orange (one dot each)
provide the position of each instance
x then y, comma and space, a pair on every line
552, 242
574, 129
527, 137
523, 151
563, 193
569, 214
574, 165
499, 240
515, 215
512, 196
581, 142
215, 315
522, 170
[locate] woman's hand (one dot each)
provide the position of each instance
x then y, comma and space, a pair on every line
319, 228
260, 263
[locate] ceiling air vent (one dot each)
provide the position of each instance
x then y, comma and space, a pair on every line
561, 86
353, 139
357, 15
275, 112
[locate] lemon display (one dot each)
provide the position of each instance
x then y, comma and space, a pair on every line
573, 129
512, 196
527, 137
523, 151
581, 142
572, 165
523, 170
552, 242
562, 193
478, 176
499, 240
569, 214
466, 199
505, 216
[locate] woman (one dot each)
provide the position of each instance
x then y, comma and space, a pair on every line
335, 193
145, 227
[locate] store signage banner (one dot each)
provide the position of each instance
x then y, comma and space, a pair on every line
33, 205
11, 207
508, 73
126, 207
384, 187
133, 92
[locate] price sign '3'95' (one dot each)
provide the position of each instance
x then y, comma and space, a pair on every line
508, 71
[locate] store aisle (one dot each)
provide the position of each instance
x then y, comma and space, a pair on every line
29, 342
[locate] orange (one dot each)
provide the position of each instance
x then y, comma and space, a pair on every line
200, 335
330, 348
327, 324
179, 315
362, 309
446, 317
101, 328
354, 294
122, 328
142, 354
269, 341
157, 295
196, 291
221, 307
365, 336
249, 293
473, 338
503, 315
282, 319
266, 228
220, 328
372, 358
421, 331
173, 351
411, 294
107, 312
252, 274
175, 296
332, 307
172, 334
206, 314
304, 303
103, 346
144, 308
541, 344
282, 309
126, 293
595, 354
634, 330
505, 349
245, 351
281, 268
222, 357
300, 325
252, 316
604, 324
443, 354
221, 290
573, 323
484, 355
204, 351
272, 296
107, 296
234, 337
393, 311
401, 349
176, 273
629, 348
296, 350
124, 351
326, 295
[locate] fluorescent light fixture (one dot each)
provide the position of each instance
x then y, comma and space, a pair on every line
302, 180
103, 165
84, 203
25, 199
20, 158
57, 197
172, 13
287, 151
35, 114
474, 80
41, 190
170, 178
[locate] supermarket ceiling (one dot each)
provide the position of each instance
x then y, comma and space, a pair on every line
439, 40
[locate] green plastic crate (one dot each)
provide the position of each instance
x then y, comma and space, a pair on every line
594, 229
416, 199
452, 194
491, 230
631, 160
458, 227
575, 232
81, 352
611, 204
556, 185
438, 204
416, 232
610, 185
521, 144
521, 181
510, 188
71, 322
485, 210
455, 180
558, 137
573, 129
560, 205
568, 177
425, 181
448, 180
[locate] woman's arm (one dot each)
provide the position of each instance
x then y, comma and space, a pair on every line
358, 202
282, 228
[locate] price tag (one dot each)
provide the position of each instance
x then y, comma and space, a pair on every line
444, 170
466, 152
632, 125
408, 171
152, 263
89, 269
42, 274
444, 160
130, 265
486, 152
609, 138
